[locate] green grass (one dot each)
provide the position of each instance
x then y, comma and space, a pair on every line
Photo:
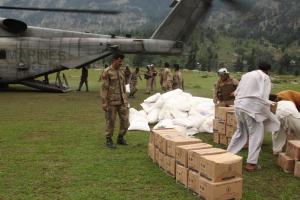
52, 147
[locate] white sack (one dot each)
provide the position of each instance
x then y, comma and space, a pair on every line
153, 98
286, 108
182, 122
137, 121
147, 107
207, 126
165, 113
152, 116
196, 120
166, 123
191, 131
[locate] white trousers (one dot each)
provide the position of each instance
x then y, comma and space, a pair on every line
247, 127
289, 127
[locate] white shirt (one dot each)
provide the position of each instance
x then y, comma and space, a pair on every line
252, 96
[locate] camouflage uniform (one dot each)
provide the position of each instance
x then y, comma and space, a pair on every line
161, 78
127, 75
167, 80
114, 96
133, 83
223, 93
178, 80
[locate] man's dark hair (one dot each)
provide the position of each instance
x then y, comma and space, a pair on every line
264, 66
176, 67
273, 97
167, 64
115, 56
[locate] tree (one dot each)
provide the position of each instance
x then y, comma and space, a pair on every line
285, 63
191, 61
238, 65
251, 61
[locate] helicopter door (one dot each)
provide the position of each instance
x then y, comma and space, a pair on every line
22, 65
2, 54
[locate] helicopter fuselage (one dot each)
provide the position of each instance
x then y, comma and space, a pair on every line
29, 57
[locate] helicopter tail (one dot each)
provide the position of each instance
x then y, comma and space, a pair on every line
182, 20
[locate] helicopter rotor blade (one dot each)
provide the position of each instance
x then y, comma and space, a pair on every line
105, 12
207, 6
238, 5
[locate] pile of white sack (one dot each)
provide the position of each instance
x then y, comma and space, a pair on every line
174, 109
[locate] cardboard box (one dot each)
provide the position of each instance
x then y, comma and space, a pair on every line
216, 137
230, 118
170, 165
162, 141
297, 169
156, 155
161, 159
291, 136
223, 139
293, 149
220, 167
151, 151
286, 163
181, 153
195, 155
182, 174
193, 181
221, 112
230, 130
151, 138
219, 126
158, 132
230, 189
173, 142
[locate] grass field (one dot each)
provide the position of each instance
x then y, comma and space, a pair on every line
52, 147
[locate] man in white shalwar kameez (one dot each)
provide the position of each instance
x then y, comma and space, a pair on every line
252, 109
289, 118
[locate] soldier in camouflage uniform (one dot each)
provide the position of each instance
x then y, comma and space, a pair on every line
114, 100
224, 88
177, 78
133, 81
127, 75
167, 78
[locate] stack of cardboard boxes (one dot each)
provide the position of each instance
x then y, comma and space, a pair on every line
211, 173
224, 125
290, 160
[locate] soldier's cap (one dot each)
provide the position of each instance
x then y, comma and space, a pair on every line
223, 71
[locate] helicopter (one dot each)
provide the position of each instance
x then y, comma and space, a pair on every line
28, 52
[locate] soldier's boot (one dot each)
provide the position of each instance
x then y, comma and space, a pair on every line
121, 140
109, 143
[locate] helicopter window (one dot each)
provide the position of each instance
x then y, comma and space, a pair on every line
2, 54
